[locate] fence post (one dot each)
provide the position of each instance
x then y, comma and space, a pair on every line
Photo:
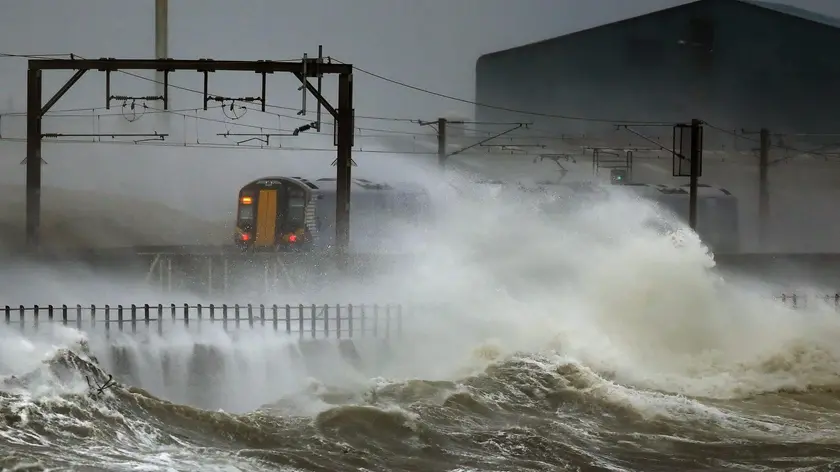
314, 315
326, 321
120, 317
133, 318
350, 321
50, 313
224, 315
146, 316
212, 313
250, 316
8, 314
160, 319
36, 309
262, 315
174, 314
93, 316
376, 321
399, 321
22, 317
387, 321
362, 317
300, 321
186, 315
236, 315
79, 316
107, 319
64, 319
198, 314
338, 321
288, 319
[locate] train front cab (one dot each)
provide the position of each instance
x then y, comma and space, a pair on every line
272, 216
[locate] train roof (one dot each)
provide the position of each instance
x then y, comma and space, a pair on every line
703, 190
328, 184
641, 189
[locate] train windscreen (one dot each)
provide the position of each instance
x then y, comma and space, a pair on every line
246, 214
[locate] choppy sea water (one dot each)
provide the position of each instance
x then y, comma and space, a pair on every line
265, 409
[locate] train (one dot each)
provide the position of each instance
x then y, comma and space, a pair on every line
298, 214
717, 208
717, 212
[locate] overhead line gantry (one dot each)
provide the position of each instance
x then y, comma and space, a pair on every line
304, 69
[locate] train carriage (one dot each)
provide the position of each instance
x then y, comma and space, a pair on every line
717, 213
717, 208
298, 214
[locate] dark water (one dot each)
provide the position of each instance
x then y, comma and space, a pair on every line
518, 413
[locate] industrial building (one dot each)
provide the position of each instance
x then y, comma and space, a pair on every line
739, 64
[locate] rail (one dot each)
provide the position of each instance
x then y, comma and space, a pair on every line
303, 321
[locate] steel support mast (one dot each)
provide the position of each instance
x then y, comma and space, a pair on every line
304, 69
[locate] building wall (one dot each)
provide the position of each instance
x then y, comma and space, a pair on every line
756, 68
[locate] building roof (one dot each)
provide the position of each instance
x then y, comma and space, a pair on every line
788, 10
796, 11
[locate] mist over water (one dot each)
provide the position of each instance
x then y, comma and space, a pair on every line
590, 338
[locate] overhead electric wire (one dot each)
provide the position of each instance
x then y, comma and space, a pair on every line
269, 105
299, 118
497, 107
187, 89
560, 116
182, 113
36, 56
220, 146
776, 146
412, 87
